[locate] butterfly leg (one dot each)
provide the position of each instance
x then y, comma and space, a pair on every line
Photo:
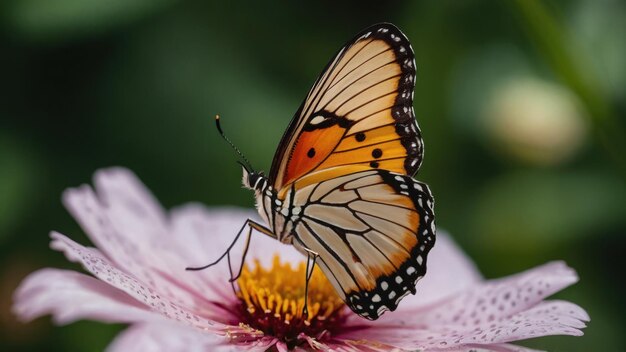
251, 225
243, 256
260, 228
310, 266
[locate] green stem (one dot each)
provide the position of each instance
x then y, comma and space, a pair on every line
549, 36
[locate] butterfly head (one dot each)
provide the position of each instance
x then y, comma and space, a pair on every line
253, 180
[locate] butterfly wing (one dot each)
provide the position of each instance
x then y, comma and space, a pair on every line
358, 115
372, 230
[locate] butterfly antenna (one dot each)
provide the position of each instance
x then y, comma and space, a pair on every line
219, 128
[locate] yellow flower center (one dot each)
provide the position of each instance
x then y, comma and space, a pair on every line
273, 301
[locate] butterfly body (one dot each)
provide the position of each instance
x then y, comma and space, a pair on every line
302, 220
277, 212
341, 183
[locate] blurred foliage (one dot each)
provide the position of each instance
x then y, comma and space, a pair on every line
90, 84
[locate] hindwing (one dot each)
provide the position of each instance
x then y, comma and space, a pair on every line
373, 231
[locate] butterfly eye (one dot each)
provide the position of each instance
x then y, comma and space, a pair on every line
255, 180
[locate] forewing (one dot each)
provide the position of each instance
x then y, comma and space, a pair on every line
359, 113
373, 231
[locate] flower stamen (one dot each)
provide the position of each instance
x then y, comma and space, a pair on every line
273, 300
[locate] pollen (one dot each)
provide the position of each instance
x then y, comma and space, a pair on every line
273, 301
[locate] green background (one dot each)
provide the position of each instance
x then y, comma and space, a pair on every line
521, 105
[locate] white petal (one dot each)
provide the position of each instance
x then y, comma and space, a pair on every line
129, 226
449, 271
174, 337
202, 236
71, 296
154, 297
206, 233
492, 312
501, 347
501, 298
548, 318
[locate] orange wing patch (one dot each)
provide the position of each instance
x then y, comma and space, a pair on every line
367, 138
311, 149
372, 154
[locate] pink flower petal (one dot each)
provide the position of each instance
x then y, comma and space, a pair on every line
449, 271
122, 219
151, 296
364, 345
208, 232
360, 346
488, 348
143, 281
71, 296
174, 337
493, 312
313, 343
547, 318
127, 223
281, 347
202, 236
500, 298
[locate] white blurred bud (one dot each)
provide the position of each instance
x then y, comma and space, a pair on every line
534, 120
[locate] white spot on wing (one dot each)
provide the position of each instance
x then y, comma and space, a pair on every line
317, 119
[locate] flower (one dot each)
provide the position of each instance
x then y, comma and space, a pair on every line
139, 279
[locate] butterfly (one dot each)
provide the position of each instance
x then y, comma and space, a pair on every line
340, 188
